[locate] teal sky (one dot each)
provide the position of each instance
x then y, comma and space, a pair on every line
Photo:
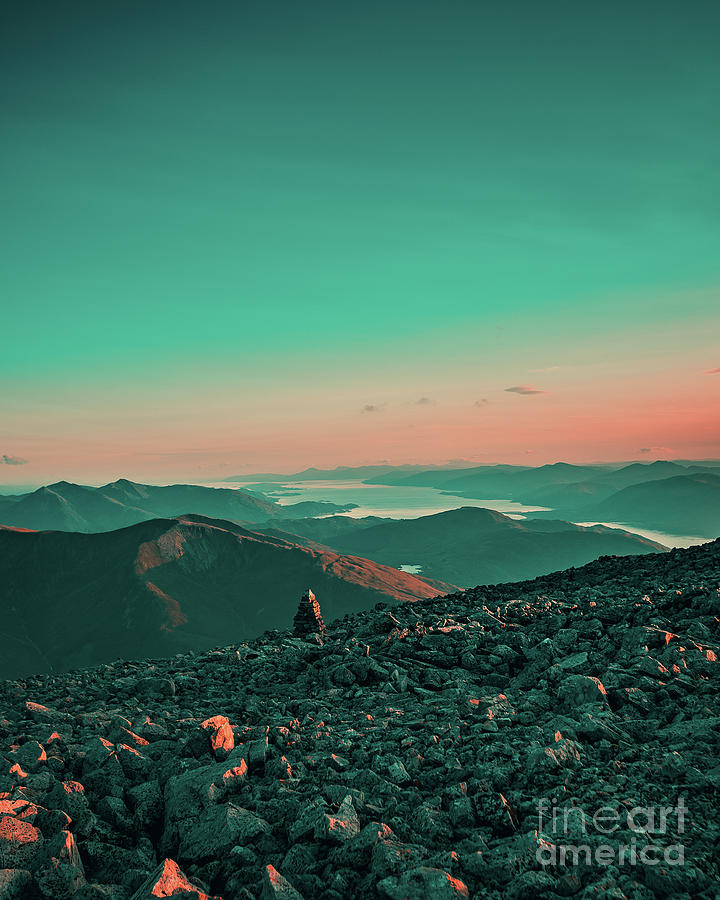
225, 223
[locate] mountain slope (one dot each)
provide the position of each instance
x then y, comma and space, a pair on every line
685, 504
471, 546
164, 585
73, 507
577, 494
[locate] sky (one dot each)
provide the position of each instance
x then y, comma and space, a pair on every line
254, 236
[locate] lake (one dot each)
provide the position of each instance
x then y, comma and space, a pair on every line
379, 499
396, 502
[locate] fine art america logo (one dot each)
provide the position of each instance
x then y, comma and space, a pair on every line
609, 836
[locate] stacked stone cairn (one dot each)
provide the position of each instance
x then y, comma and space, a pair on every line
308, 618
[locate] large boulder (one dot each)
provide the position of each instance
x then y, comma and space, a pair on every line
168, 880
21, 844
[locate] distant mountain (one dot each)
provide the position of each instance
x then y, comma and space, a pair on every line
669, 496
340, 473
166, 585
578, 494
471, 546
322, 530
74, 507
685, 504
495, 482
439, 477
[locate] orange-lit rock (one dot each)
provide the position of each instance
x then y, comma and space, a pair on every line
222, 739
168, 880
21, 844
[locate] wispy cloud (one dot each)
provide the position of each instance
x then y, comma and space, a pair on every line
545, 369
483, 401
525, 389
655, 450
424, 401
370, 408
12, 460
712, 371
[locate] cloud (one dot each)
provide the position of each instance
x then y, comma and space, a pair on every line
712, 371
655, 450
12, 460
546, 369
482, 402
526, 389
370, 408
424, 401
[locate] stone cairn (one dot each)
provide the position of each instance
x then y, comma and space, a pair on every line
308, 618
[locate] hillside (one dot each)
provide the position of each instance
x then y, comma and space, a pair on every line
472, 546
685, 504
578, 494
73, 507
166, 585
417, 754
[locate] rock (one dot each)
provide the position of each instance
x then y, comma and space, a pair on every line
17, 884
222, 739
190, 795
29, 756
275, 886
423, 883
390, 857
218, 830
21, 844
70, 797
579, 690
573, 663
168, 880
155, 687
46, 715
307, 819
146, 802
135, 765
111, 863
341, 827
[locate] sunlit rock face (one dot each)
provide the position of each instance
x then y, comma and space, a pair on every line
418, 751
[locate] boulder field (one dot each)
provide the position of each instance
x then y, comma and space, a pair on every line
552, 738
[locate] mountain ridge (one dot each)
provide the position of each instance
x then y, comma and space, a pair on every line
473, 545
165, 585
64, 506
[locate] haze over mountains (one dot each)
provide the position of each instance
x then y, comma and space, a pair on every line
166, 585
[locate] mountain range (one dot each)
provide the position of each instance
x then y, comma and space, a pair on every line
74, 507
165, 585
675, 497
471, 545
154, 588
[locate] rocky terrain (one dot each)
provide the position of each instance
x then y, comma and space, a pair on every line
168, 585
403, 754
